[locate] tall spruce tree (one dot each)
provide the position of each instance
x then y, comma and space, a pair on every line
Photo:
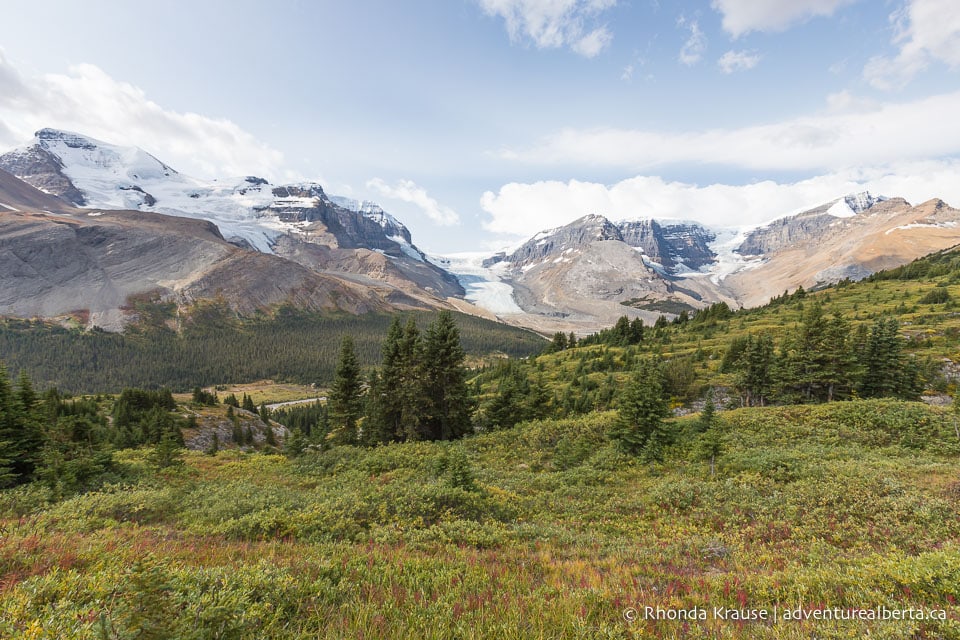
20, 426
384, 417
639, 428
446, 396
754, 366
882, 360
412, 402
346, 401
7, 475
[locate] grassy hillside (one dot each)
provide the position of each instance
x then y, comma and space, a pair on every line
213, 346
922, 297
542, 531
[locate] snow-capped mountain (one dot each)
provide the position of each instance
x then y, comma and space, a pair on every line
851, 237
58, 260
593, 270
589, 272
248, 211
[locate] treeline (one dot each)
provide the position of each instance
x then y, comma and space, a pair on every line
627, 332
823, 360
935, 265
68, 443
214, 347
418, 392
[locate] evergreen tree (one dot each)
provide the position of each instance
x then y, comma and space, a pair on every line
168, 452
636, 331
622, 331
459, 471
538, 400
839, 362
509, 406
882, 360
447, 399
708, 417
559, 342
248, 404
20, 426
346, 401
214, 445
295, 444
270, 438
639, 428
710, 446
411, 394
755, 366
237, 429
385, 402
7, 475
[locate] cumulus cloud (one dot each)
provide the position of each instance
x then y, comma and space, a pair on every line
743, 16
551, 24
826, 141
696, 43
521, 210
89, 101
925, 31
409, 191
738, 61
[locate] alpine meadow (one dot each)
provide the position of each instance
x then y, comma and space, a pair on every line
485, 319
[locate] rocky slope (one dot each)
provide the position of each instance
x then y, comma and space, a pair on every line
57, 260
585, 274
852, 238
590, 272
297, 221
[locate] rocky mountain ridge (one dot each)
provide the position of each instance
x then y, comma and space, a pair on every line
249, 211
91, 265
579, 276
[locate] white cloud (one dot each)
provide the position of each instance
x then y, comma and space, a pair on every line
738, 61
409, 191
521, 210
88, 101
590, 45
551, 24
627, 74
693, 48
744, 16
926, 31
846, 102
827, 141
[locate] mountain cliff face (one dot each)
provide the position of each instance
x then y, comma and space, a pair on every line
670, 246
590, 272
593, 269
675, 246
89, 264
249, 211
850, 238
808, 226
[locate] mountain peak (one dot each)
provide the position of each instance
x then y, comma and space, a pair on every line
69, 138
853, 204
860, 202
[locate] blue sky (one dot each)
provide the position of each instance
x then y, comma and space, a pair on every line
479, 122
